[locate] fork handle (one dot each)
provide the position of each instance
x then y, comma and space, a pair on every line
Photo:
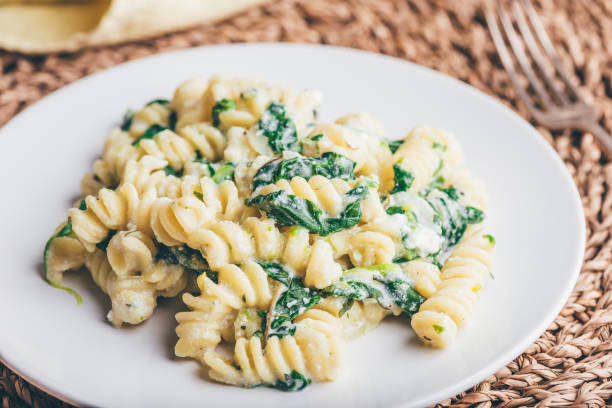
602, 137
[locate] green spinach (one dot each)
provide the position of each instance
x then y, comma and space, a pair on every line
278, 128
403, 179
65, 231
294, 300
222, 105
149, 133
287, 209
393, 144
329, 164
102, 245
294, 381
224, 172
386, 283
127, 120
185, 256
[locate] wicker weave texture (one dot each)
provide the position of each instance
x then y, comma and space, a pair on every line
570, 365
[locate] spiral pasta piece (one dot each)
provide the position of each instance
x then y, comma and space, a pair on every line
154, 113
64, 254
362, 317
472, 189
130, 252
203, 327
132, 298
424, 152
147, 174
239, 286
366, 151
426, 276
462, 277
315, 351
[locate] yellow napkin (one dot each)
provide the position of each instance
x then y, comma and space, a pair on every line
39, 26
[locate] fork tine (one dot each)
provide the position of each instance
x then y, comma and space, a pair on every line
506, 59
536, 23
535, 52
521, 56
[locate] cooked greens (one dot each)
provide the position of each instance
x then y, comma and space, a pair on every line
393, 144
294, 300
329, 164
403, 179
278, 128
102, 245
149, 133
386, 283
127, 120
188, 257
288, 209
65, 231
294, 381
222, 105
223, 172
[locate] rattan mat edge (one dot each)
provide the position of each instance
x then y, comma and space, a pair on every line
570, 365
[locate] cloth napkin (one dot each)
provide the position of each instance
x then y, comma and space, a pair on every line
41, 26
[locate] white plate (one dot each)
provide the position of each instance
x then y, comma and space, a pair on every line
69, 350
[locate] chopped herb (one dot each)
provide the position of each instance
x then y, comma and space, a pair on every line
83, 205
198, 195
293, 382
172, 118
224, 172
169, 170
403, 179
316, 138
439, 146
102, 245
348, 304
394, 144
221, 106
395, 210
490, 238
330, 165
149, 133
438, 329
278, 128
159, 102
127, 120
288, 209
65, 231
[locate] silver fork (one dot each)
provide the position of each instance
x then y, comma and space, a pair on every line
555, 107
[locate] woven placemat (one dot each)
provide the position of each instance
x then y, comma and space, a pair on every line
570, 365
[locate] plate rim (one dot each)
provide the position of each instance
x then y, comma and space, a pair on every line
472, 379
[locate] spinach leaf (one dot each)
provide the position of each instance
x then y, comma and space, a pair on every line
403, 179
294, 301
386, 283
159, 102
169, 170
451, 215
288, 209
224, 172
149, 133
188, 257
221, 106
330, 165
279, 128
172, 118
395, 209
294, 381
127, 120
393, 144
102, 245
83, 205
65, 231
